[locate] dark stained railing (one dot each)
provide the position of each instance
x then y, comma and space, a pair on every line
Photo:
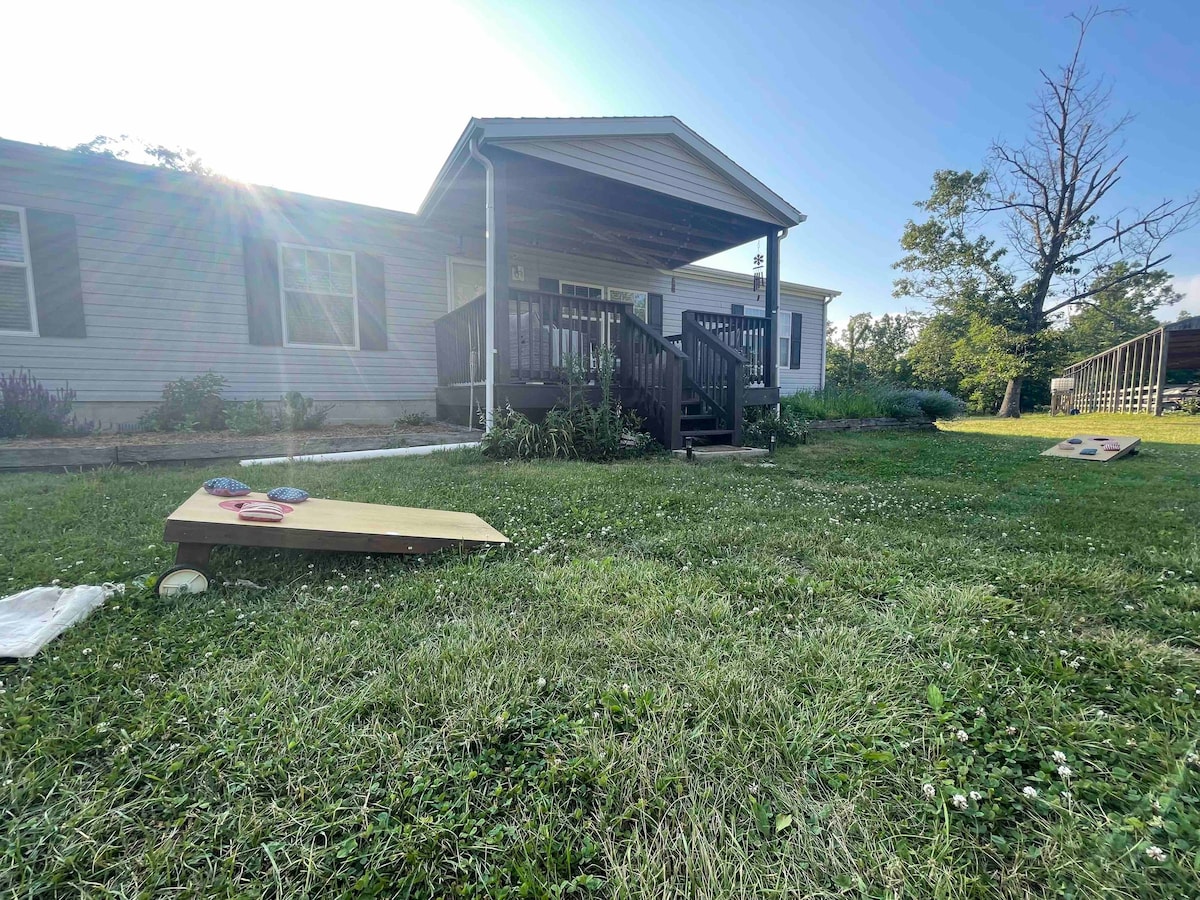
545, 331
746, 334
651, 374
714, 371
459, 337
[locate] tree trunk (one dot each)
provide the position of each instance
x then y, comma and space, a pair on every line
1010, 407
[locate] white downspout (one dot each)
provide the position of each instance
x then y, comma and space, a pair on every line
489, 302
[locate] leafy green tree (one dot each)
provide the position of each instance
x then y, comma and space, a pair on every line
121, 147
1119, 313
1010, 249
931, 358
888, 341
844, 363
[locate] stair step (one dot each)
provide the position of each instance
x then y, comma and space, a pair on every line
697, 417
707, 432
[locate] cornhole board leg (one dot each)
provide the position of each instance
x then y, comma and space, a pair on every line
193, 555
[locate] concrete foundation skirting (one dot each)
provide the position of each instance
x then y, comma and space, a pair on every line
26, 458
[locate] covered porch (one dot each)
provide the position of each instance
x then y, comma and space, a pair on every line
645, 193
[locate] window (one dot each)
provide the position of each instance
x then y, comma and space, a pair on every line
16, 279
318, 294
637, 299
465, 280
783, 354
588, 291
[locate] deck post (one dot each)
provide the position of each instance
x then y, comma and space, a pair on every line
1160, 375
770, 363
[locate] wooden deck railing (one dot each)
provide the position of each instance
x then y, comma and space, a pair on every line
547, 330
459, 337
651, 373
714, 371
746, 334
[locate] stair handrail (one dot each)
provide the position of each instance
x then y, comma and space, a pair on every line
651, 372
714, 372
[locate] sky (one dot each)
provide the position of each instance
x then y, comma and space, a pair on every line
845, 109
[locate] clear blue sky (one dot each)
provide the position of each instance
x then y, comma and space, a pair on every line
844, 108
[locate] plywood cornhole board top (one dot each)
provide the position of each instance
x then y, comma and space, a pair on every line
1071, 451
337, 525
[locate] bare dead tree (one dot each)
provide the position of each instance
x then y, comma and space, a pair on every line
1066, 240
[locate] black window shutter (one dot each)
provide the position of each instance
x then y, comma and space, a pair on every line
797, 331
261, 270
548, 285
372, 302
654, 304
737, 309
57, 288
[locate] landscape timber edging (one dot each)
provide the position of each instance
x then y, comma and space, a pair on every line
25, 458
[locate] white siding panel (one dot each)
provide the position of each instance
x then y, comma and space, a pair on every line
656, 163
165, 298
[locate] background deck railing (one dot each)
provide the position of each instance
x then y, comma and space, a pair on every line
459, 337
746, 334
713, 369
547, 330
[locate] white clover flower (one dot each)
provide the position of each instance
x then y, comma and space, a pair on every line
929, 791
959, 801
1158, 854
976, 796
962, 735
541, 682
1030, 792
87, 651
1064, 771
980, 713
1059, 757
1011, 729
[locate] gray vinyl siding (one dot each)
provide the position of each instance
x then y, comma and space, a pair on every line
657, 163
692, 291
164, 290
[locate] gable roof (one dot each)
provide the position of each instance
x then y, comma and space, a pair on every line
632, 149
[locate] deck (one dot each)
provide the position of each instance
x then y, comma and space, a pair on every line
693, 385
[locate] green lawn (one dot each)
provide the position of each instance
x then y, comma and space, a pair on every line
684, 681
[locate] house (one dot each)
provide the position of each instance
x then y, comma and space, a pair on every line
116, 278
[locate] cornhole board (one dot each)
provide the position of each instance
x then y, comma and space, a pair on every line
201, 523
1071, 451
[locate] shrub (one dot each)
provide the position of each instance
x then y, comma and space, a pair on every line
27, 409
576, 431
189, 404
249, 417
413, 418
871, 401
300, 413
763, 422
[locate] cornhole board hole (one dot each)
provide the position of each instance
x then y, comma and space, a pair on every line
202, 522
1067, 450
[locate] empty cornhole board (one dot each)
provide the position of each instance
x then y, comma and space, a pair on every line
1073, 447
202, 522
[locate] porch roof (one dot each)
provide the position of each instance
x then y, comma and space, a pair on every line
647, 191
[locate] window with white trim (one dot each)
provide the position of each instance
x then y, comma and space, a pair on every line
318, 292
637, 299
577, 289
465, 280
17, 314
784, 321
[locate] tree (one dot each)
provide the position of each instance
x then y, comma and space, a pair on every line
1120, 312
843, 356
888, 340
1012, 248
178, 159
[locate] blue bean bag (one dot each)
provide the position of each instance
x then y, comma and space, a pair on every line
287, 495
226, 487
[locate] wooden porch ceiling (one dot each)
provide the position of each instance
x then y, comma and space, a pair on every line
554, 207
